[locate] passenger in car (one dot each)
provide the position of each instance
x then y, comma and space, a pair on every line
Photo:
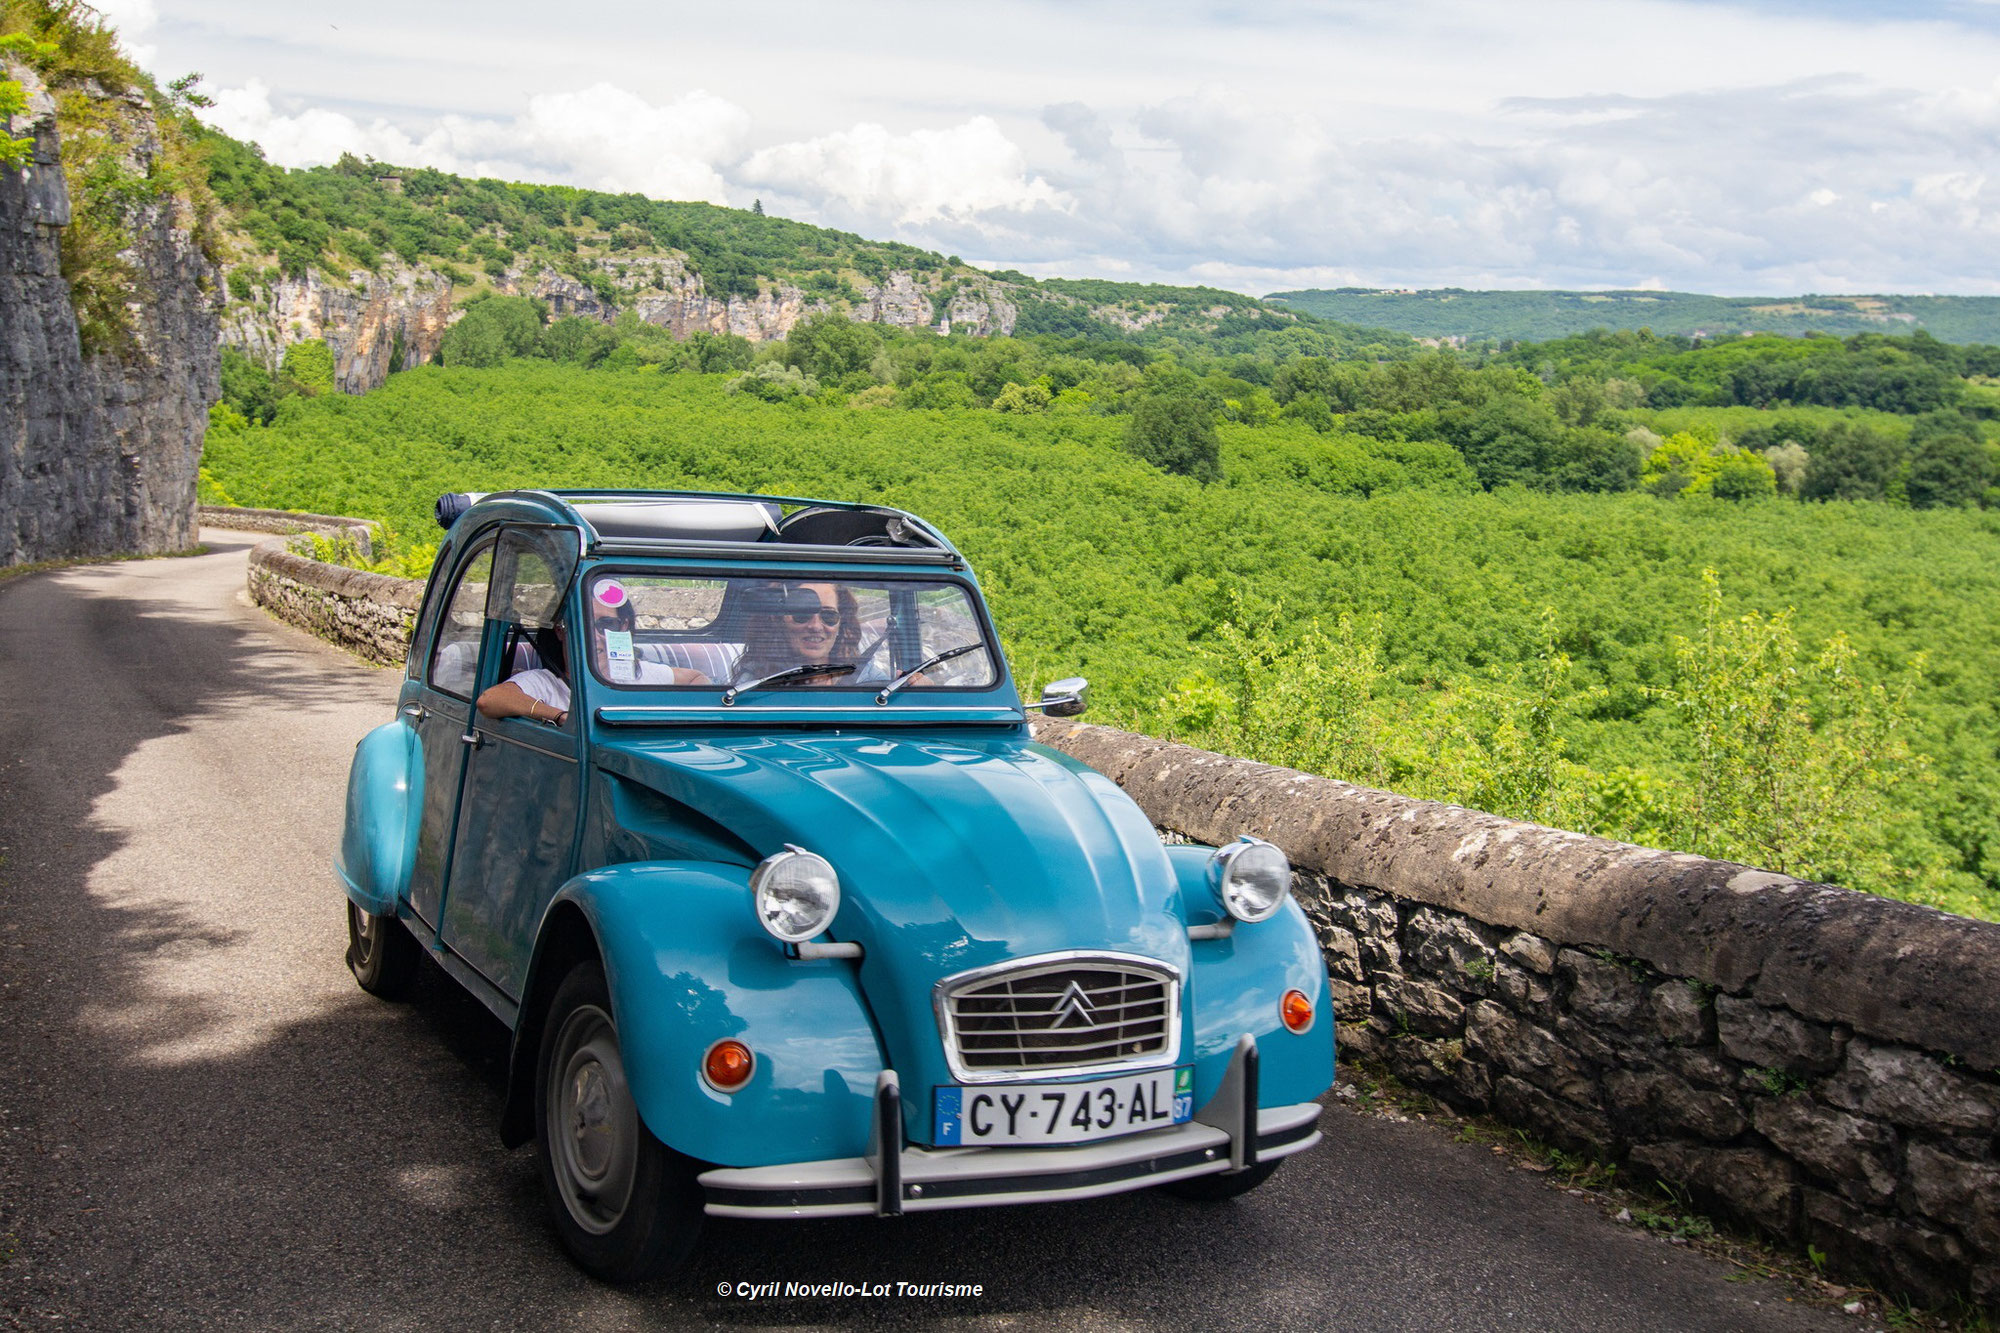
802, 623
543, 693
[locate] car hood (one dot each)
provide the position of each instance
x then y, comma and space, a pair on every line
953, 852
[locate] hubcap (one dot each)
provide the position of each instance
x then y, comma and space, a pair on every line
593, 1126
364, 932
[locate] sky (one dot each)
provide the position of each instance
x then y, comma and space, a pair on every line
1740, 147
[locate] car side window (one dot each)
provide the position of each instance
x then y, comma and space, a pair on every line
454, 665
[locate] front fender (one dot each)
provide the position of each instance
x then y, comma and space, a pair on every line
385, 805
1236, 985
688, 965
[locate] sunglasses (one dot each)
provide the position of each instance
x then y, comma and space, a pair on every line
827, 616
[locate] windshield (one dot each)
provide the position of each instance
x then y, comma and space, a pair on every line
653, 632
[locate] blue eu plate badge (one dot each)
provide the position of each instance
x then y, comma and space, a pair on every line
1017, 1114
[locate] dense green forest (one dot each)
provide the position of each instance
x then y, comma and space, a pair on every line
1345, 597
1534, 316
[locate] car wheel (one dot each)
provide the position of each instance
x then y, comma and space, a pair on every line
381, 954
627, 1206
1214, 1189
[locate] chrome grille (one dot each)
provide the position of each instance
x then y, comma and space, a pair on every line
1082, 1012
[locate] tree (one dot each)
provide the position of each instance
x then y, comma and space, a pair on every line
1742, 475
1851, 463
718, 352
1509, 440
1026, 398
493, 329
584, 342
1788, 464
1175, 431
831, 347
1948, 471
247, 388
308, 366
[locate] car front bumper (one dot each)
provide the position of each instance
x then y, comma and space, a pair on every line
980, 1177
1231, 1133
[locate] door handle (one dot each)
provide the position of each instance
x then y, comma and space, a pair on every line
473, 738
414, 710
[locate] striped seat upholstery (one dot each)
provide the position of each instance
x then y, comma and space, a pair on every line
714, 660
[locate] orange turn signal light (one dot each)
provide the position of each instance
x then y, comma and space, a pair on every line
728, 1065
1296, 1010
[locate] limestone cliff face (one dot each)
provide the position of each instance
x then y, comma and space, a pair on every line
98, 451
664, 292
361, 317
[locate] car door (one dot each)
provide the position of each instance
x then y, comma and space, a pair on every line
517, 811
440, 711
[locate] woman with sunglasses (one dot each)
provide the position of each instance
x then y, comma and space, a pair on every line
802, 623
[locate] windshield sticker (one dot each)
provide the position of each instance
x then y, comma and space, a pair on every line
620, 662
611, 593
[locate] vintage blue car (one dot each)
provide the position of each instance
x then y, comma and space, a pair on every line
727, 806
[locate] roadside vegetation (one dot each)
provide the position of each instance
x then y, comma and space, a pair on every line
115, 176
1348, 601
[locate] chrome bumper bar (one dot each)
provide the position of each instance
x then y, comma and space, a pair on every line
905, 1179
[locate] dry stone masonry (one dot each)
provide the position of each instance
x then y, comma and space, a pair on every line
1817, 1063
1821, 1065
370, 615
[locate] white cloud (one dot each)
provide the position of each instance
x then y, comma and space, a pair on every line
924, 176
312, 137
134, 21
1703, 145
601, 137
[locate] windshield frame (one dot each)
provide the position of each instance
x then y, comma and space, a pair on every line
843, 692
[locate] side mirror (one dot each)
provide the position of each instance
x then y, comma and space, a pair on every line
1065, 698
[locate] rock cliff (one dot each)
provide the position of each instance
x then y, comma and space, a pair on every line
665, 292
98, 449
363, 317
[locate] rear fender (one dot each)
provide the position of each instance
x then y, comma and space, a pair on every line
385, 803
688, 965
1237, 985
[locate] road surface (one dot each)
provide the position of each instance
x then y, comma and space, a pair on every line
205, 1123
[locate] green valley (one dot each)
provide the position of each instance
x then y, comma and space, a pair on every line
1342, 600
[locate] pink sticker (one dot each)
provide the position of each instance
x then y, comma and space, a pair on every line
611, 593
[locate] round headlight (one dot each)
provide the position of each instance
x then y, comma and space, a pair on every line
797, 894
1251, 878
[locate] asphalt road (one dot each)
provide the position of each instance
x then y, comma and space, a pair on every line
205, 1123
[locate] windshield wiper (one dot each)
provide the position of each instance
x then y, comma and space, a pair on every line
789, 673
933, 660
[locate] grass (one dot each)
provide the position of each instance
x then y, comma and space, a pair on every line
43, 566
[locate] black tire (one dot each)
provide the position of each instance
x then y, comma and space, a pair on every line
1227, 1185
626, 1205
381, 954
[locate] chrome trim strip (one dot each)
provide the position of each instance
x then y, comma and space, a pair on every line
638, 715
777, 552
942, 992
504, 739
937, 1179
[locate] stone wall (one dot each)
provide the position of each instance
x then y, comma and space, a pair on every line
98, 449
370, 615
1817, 1063
1821, 1065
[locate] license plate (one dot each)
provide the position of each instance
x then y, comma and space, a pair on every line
1040, 1113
